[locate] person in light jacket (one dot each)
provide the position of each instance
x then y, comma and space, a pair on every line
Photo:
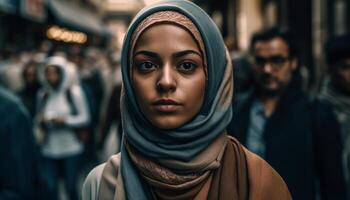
62, 115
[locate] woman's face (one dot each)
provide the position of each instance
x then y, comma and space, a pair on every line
168, 75
53, 76
30, 75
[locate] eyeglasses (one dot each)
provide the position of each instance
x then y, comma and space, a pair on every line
276, 62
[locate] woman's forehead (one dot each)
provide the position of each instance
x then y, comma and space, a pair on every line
163, 37
189, 29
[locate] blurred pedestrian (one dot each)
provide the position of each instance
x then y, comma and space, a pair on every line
10, 71
299, 136
63, 114
92, 81
111, 122
336, 91
19, 174
93, 87
175, 104
243, 76
31, 88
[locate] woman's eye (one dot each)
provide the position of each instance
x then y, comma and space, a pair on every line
187, 66
145, 66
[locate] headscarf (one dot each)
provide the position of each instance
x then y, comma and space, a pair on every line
177, 149
66, 69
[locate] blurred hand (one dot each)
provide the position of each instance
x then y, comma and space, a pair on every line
59, 121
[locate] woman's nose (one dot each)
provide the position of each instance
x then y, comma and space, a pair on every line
166, 81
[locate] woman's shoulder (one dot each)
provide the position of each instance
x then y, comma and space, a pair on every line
264, 181
92, 182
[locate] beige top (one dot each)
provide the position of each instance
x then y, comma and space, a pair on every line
92, 182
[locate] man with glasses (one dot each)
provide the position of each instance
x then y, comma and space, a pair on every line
297, 135
336, 91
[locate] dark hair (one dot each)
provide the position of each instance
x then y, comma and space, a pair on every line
27, 66
275, 32
337, 48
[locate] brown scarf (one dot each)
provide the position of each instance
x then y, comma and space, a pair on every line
227, 179
241, 175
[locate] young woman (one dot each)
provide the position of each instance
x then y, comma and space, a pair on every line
175, 106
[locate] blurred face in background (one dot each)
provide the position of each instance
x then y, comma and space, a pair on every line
168, 75
53, 76
273, 66
341, 75
30, 75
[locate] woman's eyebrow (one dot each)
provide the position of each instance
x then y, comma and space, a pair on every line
147, 53
176, 55
186, 52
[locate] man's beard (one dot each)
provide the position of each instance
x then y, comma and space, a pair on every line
264, 90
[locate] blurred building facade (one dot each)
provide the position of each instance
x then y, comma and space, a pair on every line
25, 24
118, 15
312, 21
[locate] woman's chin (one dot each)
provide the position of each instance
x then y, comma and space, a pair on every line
168, 123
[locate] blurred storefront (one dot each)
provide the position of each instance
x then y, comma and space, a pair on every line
21, 21
72, 22
25, 24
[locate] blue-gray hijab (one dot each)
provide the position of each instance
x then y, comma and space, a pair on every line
187, 141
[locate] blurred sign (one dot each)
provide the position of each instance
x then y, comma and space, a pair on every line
8, 6
33, 9
65, 35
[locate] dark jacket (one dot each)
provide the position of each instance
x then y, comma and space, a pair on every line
112, 115
302, 143
18, 152
28, 95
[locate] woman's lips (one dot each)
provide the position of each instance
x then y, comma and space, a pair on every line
166, 105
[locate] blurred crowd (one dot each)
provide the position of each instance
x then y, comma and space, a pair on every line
70, 97
61, 115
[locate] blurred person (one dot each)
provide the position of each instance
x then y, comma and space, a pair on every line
243, 76
231, 45
336, 91
10, 71
19, 174
296, 134
93, 86
111, 75
110, 120
31, 88
242, 69
63, 114
91, 77
176, 103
